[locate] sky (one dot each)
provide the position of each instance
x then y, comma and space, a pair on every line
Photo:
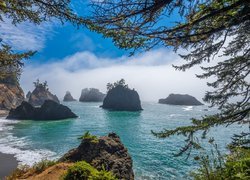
72, 59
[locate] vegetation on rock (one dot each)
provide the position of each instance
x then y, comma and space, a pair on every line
89, 137
83, 170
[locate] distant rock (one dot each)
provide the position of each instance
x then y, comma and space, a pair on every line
68, 97
121, 98
91, 95
40, 94
180, 99
50, 110
28, 95
11, 96
107, 151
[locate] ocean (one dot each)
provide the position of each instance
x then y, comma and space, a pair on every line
153, 158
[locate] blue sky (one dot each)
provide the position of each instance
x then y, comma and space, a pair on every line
73, 59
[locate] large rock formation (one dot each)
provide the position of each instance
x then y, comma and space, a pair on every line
50, 110
121, 98
180, 99
107, 151
40, 94
68, 97
91, 95
11, 96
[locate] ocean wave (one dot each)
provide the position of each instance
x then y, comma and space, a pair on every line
188, 108
10, 144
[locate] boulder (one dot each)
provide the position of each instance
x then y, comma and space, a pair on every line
68, 97
107, 151
40, 94
91, 95
180, 99
50, 110
121, 98
11, 96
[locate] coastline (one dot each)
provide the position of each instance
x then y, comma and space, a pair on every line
8, 164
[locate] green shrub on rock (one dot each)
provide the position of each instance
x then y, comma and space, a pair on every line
84, 171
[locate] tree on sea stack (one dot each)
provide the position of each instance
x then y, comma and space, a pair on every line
121, 98
209, 30
34, 11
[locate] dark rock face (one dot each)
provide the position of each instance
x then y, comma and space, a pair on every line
40, 94
11, 96
50, 110
108, 151
28, 95
91, 95
68, 97
121, 98
180, 99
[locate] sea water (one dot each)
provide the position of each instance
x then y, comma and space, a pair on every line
153, 158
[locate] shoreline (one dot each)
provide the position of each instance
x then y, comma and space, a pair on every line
8, 164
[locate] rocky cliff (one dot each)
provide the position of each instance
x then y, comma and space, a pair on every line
107, 151
91, 95
122, 98
40, 94
180, 99
50, 110
11, 96
68, 97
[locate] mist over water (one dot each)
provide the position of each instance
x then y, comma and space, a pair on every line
153, 158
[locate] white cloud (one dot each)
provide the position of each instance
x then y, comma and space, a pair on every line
25, 36
150, 73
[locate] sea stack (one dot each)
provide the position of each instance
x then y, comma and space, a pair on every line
68, 97
50, 110
41, 93
91, 95
106, 151
180, 99
121, 98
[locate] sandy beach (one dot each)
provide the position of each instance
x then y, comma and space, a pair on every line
8, 163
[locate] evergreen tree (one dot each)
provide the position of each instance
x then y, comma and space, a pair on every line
211, 29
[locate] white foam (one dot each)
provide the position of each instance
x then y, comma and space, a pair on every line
188, 108
10, 144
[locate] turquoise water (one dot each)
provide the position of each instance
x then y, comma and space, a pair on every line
153, 158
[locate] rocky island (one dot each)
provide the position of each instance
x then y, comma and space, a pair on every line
121, 98
180, 99
50, 110
91, 95
68, 97
40, 94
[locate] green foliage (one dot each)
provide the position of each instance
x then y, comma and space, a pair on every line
83, 170
214, 166
11, 63
89, 137
117, 83
38, 84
